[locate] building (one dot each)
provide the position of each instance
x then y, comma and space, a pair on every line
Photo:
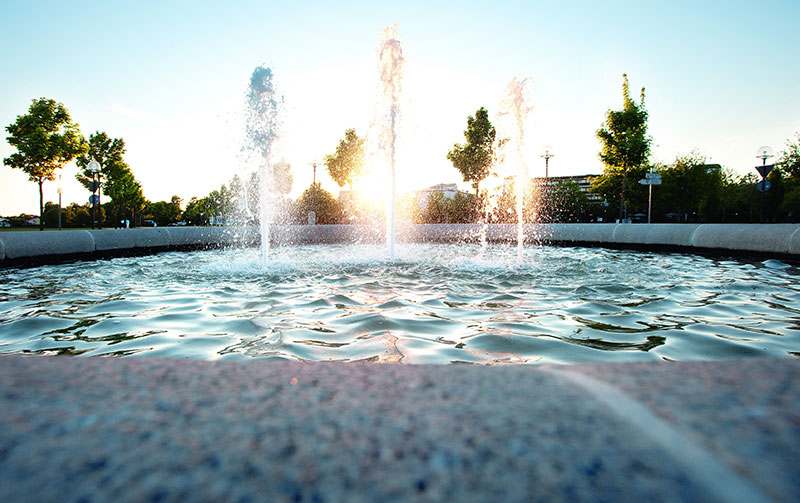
448, 189
584, 182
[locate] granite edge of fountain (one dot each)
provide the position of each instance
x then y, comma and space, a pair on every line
778, 240
171, 429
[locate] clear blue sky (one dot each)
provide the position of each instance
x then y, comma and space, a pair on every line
169, 78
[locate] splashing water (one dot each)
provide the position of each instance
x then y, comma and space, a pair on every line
390, 65
262, 132
514, 108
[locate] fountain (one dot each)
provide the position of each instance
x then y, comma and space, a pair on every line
171, 429
390, 67
262, 132
437, 303
514, 110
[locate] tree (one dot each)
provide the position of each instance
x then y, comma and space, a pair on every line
346, 164
691, 188
320, 201
789, 160
475, 158
623, 138
106, 151
46, 139
565, 202
125, 192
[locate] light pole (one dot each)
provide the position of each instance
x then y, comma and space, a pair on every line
312, 215
547, 153
764, 153
60, 190
94, 169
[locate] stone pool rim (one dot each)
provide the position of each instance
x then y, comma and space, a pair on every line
778, 241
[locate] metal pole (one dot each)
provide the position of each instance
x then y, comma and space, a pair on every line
650, 203
763, 186
93, 205
59, 210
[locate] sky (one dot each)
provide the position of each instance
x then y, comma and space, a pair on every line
170, 79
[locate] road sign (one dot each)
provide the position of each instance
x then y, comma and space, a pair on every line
763, 185
764, 170
93, 186
94, 199
653, 176
650, 181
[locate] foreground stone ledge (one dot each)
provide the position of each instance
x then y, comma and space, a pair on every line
778, 240
146, 429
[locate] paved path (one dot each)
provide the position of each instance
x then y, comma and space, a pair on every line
139, 429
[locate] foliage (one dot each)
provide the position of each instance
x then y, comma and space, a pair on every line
320, 201
46, 139
441, 209
74, 215
475, 158
565, 202
125, 192
789, 160
163, 212
690, 188
609, 187
623, 139
346, 164
106, 151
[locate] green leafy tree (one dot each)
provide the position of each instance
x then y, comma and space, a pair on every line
124, 191
566, 202
46, 139
106, 151
609, 184
691, 188
164, 212
475, 158
347, 163
320, 201
623, 138
789, 160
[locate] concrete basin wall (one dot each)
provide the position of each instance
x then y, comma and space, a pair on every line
780, 240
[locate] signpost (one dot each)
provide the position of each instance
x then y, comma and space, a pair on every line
94, 169
650, 179
764, 153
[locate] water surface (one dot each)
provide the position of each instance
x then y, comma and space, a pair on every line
433, 304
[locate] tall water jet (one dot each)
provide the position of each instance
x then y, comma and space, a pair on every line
390, 66
514, 108
261, 134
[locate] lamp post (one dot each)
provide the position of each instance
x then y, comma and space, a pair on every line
547, 153
94, 169
60, 191
312, 215
764, 153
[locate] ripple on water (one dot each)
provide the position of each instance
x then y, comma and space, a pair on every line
435, 304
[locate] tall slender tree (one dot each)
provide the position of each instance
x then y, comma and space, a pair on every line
623, 139
346, 164
46, 140
475, 158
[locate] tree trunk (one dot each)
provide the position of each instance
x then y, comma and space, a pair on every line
622, 196
41, 205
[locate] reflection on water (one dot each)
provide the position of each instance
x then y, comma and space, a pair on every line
433, 304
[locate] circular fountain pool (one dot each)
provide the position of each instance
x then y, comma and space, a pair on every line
433, 304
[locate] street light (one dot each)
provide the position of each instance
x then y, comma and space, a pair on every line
312, 215
764, 153
94, 169
547, 153
60, 191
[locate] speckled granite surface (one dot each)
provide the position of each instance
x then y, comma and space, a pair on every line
138, 429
